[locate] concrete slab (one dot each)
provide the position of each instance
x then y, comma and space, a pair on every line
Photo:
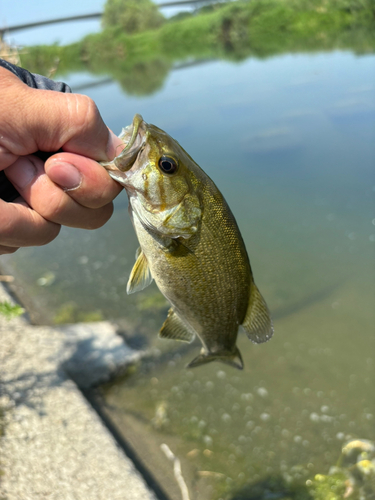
55, 446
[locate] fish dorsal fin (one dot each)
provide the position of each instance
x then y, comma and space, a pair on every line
257, 323
140, 277
174, 328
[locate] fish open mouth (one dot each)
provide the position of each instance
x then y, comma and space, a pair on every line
134, 136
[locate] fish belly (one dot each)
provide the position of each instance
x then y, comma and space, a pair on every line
208, 291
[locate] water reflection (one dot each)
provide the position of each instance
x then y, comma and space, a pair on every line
138, 44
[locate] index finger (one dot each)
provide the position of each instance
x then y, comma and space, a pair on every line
72, 122
45, 120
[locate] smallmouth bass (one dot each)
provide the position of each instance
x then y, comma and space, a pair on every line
190, 245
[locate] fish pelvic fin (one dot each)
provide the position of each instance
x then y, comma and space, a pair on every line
175, 329
140, 276
229, 358
257, 323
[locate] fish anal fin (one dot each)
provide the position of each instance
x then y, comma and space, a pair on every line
174, 328
233, 359
257, 323
140, 276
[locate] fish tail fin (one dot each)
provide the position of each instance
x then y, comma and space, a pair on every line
229, 358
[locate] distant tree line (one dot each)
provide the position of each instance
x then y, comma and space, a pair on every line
138, 46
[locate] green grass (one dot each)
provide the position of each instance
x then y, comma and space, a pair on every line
234, 31
10, 311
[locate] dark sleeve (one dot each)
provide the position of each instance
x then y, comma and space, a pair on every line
33, 80
7, 191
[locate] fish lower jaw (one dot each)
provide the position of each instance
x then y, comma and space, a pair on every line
119, 176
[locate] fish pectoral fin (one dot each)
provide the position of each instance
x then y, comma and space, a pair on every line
174, 328
229, 358
257, 323
140, 277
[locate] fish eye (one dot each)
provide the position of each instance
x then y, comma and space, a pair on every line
168, 165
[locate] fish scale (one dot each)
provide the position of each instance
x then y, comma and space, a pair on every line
190, 245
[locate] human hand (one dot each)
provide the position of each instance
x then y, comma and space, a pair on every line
71, 188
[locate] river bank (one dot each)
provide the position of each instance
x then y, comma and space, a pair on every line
52, 442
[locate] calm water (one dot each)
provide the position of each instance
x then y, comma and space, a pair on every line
290, 142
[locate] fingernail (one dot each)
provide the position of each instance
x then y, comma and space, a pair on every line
21, 173
65, 175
